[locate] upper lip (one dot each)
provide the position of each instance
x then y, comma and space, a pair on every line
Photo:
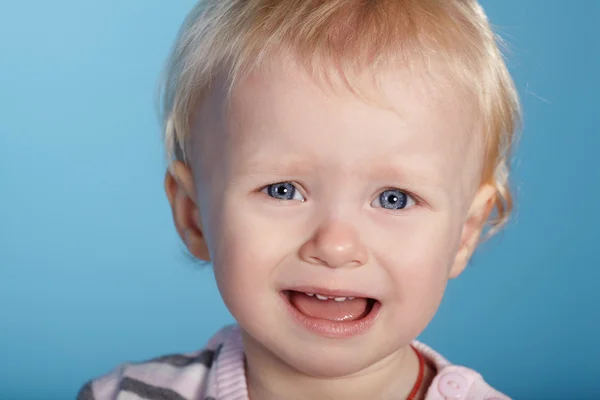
331, 292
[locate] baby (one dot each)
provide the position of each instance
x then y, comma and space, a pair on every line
337, 161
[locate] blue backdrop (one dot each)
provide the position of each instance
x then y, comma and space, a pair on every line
92, 272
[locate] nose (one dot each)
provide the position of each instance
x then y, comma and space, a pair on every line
335, 245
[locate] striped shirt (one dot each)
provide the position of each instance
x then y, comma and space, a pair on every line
217, 373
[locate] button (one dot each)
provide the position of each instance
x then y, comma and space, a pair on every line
453, 385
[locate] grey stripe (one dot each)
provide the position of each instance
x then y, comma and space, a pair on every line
218, 351
147, 391
86, 392
205, 358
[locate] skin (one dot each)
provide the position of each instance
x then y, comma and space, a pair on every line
341, 153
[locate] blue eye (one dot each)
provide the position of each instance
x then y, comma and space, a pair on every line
283, 191
393, 199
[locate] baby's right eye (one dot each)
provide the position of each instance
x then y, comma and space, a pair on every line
283, 191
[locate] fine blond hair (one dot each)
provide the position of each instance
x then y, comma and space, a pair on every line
338, 39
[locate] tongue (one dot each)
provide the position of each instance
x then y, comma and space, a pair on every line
347, 310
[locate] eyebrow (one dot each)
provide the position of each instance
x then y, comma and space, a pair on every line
397, 172
392, 172
407, 177
292, 165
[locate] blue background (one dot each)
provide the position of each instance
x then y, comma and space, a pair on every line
92, 272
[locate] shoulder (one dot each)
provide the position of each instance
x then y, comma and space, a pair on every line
455, 381
173, 377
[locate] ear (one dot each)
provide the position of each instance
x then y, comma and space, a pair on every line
179, 186
477, 217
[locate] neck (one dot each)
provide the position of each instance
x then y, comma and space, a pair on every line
269, 378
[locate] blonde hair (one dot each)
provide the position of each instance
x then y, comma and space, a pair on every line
339, 39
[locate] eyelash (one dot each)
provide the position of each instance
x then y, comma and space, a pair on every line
293, 184
416, 198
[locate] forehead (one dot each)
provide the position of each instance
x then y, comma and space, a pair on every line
419, 124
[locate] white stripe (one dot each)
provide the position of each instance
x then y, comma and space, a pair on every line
229, 368
129, 396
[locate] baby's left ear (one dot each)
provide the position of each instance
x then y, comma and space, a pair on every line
471, 233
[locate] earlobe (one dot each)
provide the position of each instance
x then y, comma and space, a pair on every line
180, 190
471, 233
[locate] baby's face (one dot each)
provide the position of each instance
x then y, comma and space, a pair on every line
304, 191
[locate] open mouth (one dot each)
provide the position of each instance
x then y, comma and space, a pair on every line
342, 308
332, 316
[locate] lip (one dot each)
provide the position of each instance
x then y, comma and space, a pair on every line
332, 329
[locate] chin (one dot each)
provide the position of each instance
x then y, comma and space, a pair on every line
320, 357
333, 363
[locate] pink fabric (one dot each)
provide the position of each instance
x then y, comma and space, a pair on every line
450, 382
217, 372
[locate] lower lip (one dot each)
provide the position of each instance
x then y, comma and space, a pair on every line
334, 329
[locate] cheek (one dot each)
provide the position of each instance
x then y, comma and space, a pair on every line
417, 245
417, 256
247, 251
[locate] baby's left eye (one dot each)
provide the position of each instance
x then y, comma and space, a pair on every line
393, 199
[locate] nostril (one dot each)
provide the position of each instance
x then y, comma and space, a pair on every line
317, 261
332, 264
